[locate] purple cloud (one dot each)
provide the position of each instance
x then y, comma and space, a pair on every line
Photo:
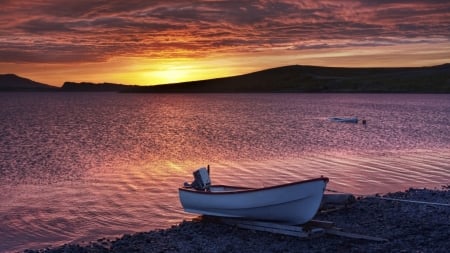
85, 30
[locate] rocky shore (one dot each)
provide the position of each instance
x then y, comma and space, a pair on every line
407, 227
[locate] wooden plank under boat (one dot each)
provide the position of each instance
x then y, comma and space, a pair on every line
292, 203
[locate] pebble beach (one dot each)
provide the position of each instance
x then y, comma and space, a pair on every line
422, 225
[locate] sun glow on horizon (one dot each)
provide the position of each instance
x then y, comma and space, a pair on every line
151, 43
147, 71
183, 70
170, 73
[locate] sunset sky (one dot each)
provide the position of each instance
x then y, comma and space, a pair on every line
154, 42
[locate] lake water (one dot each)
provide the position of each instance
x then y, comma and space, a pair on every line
76, 167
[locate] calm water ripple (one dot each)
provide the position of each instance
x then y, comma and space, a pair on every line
79, 166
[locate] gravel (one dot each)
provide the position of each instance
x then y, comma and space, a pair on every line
408, 227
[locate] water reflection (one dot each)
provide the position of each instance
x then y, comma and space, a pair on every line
82, 166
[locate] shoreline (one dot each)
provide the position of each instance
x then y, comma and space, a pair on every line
407, 226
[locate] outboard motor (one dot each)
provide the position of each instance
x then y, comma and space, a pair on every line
201, 179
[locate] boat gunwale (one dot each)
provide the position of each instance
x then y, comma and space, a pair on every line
246, 189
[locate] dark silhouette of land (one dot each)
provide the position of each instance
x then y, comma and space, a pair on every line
295, 78
12, 82
85, 86
321, 79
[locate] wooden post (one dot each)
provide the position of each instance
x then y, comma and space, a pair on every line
336, 200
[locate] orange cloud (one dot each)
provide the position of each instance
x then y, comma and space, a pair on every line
80, 32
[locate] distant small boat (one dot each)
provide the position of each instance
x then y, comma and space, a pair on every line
345, 119
292, 203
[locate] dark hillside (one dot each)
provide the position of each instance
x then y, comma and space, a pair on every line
298, 78
295, 78
85, 86
11, 82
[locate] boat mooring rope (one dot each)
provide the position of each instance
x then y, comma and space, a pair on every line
393, 199
410, 201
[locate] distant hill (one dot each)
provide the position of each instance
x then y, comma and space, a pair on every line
12, 82
298, 78
295, 78
85, 86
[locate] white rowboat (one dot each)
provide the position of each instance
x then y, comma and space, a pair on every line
292, 203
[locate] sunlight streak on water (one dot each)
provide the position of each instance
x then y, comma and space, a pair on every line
78, 167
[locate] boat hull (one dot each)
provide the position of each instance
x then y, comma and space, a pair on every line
345, 120
294, 203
